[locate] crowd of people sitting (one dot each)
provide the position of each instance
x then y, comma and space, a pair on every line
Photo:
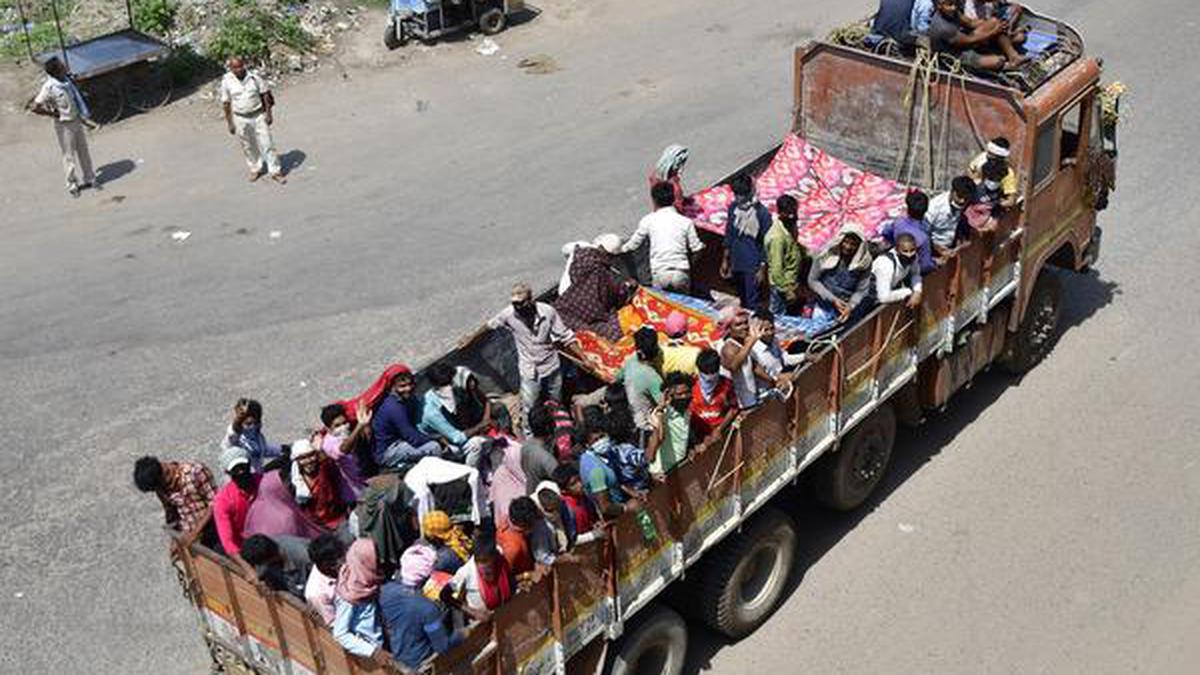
982, 34
402, 518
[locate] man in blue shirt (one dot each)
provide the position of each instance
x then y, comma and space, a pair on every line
746, 225
914, 224
893, 20
416, 629
398, 442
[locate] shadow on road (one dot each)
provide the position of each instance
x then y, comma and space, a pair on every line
820, 529
291, 160
114, 171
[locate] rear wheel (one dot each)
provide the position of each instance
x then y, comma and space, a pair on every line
104, 100
393, 35
739, 584
655, 643
149, 87
1036, 335
847, 477
492, 21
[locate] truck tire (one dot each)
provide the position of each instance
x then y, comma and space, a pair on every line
845, 478
492, 21
393, 35
741, 582
655, 643
1036, 335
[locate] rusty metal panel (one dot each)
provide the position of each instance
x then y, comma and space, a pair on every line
767, 453
646, 564
935, 309
970, 287
525, 625
838, 84
857, 379
705, 503
261, 644
583, 596
896, 359
475, 655
814, 414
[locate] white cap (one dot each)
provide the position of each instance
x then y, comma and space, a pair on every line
997, 150
302, 447
234, 456
610, 243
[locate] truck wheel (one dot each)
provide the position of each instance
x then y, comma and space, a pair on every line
741, 582
845, 478
492, 21
1036, 335
655, 643
393, 36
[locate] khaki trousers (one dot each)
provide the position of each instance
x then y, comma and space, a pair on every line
77, 161
255, 135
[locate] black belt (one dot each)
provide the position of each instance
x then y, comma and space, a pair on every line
256, 113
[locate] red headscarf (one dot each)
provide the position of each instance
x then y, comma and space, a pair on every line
495, 593
374, 393
359, 578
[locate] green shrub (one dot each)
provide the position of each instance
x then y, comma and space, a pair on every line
156, 17
41, 35
249, 31
185, 65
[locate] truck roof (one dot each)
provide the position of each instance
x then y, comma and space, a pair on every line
1053, 46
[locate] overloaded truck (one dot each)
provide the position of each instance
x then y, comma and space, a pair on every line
711, 534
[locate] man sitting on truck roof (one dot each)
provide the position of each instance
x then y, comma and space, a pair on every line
893, 20
974, 41
185, 490
898, 274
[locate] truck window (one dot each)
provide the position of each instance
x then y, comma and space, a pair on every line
1043, 153
1072, 122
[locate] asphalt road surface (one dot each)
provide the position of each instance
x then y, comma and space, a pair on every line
1046, 525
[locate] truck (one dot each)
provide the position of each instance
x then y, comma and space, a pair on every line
712, 542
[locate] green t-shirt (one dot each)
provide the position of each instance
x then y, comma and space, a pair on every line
675, 442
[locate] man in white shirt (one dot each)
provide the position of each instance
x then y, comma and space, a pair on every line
61, 100
897, 274
946, 213
673, 239
248, 104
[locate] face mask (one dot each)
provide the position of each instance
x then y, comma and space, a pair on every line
243, 480
525, 309
906, 259
991, 185
250, 427
680, 404
341, 430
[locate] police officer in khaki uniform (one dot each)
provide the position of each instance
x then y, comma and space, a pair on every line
248, 104
60, 99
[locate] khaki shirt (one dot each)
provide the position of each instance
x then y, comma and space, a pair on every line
244, 96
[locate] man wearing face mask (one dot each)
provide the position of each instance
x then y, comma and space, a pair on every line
714, 404
246, 432
947, 213
343, 443
897, 273
992, 189
998, 149
539, 333
671, 439
232, 503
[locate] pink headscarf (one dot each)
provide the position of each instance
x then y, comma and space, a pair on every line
416, 565
508, 482
274, 512
359, 578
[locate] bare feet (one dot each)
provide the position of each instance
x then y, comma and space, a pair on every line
279, 178
253, 176
1015, 63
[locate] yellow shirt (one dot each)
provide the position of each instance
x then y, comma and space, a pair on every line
679, 358
1008, 186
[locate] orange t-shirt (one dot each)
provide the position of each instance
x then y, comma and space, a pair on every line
515, 549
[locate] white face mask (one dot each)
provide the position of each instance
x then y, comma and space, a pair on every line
991, 185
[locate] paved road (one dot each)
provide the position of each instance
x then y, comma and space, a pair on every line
1049, 525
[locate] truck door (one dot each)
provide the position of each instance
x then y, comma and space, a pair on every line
1058, 204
